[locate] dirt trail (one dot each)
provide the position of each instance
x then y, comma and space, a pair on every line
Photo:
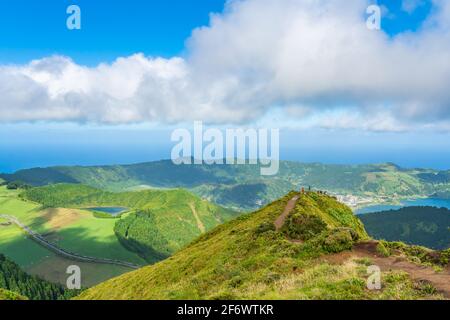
200, 224
279, 223
441, 280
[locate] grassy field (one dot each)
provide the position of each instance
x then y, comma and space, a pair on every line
160, 222
74, 230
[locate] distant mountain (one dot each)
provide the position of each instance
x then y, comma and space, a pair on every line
242, 187
295, 248
425, 226
159, 223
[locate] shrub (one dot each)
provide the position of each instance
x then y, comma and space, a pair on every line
236, 281
15, 185
396, 277
445, 257
364, 262
304, 227
420, 254
440, 258
272, 277
382, 249
337, 240
425, 287
104, 215
265, 227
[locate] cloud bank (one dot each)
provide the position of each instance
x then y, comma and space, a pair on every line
314, 59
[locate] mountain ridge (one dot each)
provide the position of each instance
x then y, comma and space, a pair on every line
242, 187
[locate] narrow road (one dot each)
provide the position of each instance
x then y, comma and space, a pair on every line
279, 223
64, 253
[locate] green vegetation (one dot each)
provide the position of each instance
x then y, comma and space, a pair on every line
244, 258
139, 233
383, 250
248, 259
15, 185
337, 240
13, 279
103, 215
75, 230
329, 211
242, 187
417, 254
8, 295
304, 226
325, 223
424, 226
162, 222
168, 221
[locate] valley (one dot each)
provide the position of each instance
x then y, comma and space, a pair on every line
61, 232
163, 218
74, 230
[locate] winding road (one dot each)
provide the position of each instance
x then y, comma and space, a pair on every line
64, 253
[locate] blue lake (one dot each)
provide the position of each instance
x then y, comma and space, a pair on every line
427, 202
114, 211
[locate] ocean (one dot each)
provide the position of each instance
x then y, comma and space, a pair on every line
426, 202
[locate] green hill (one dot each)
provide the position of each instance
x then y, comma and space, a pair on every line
425, 226
159, 222
251, 258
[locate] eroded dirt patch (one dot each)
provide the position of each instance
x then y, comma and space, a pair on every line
200, 224
59, 218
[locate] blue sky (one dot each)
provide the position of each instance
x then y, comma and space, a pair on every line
398, 20
30, 29
360, 128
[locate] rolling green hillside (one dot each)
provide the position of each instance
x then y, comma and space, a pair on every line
251, 258
242, 187
425, 226
159, 223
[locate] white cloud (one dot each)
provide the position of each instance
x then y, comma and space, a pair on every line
258, 54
